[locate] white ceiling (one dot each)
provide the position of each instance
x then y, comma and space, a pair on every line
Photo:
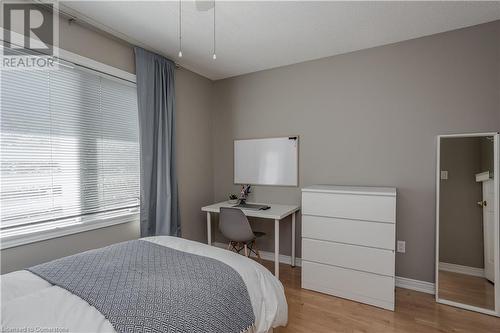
253, 36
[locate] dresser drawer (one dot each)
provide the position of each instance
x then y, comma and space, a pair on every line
349, 256
366, 233
363, 287
350, 206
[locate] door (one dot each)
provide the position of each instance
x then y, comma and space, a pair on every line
488, 230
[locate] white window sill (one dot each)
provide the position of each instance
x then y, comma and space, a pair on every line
32, 236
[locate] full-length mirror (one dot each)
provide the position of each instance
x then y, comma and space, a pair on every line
467, 215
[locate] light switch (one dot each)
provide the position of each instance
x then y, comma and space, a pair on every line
444, 174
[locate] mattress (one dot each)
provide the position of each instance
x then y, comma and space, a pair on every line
29, 301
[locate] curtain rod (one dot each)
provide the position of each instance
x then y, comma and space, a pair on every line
73, 18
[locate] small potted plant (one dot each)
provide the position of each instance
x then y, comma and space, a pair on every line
233, 198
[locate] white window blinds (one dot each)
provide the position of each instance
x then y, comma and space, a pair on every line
69, 145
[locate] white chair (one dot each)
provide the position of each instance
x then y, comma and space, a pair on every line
234, 225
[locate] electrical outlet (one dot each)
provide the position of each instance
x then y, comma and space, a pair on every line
401, 246
444, 174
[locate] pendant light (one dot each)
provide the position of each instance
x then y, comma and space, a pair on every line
180, 28
214, 56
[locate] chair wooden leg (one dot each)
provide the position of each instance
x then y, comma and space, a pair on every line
246, 250
237, 247
257, 250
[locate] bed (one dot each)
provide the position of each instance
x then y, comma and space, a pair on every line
30, 301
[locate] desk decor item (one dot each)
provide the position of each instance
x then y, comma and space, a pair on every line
245, 191
233, 199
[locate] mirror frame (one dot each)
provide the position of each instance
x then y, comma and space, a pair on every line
496, 310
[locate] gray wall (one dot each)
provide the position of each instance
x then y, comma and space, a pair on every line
368, 118
460, 218
194, 151
193, 94
96, 45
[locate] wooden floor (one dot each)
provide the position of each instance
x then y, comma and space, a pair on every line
311, 312
466, 289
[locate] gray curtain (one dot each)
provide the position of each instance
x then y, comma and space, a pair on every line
156, 101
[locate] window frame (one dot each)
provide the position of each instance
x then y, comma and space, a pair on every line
127, 215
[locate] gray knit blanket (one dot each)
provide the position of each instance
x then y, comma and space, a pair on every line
140, 286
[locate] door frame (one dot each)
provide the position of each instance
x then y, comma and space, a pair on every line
495, 135
488, 185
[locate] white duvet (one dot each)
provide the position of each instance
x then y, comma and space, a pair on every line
28, 301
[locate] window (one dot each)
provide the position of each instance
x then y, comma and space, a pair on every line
69, 148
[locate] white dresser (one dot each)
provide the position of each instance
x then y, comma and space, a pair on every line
348, 240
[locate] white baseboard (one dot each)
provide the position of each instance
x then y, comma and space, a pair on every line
474, 271
266, 255
417, 285
401, 282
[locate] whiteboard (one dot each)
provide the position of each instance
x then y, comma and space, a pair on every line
272, 161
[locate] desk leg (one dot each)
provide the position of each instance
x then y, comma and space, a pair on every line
209, 229
293, 239
277, 248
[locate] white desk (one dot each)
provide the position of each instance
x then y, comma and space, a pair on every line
276, 213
